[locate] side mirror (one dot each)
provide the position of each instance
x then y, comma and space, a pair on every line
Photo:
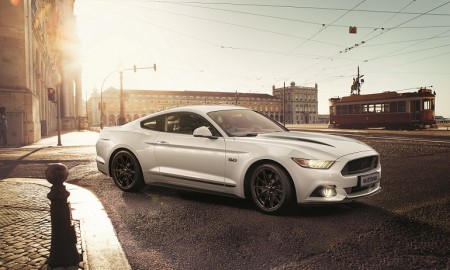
204, 132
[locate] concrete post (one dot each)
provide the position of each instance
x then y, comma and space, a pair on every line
63, 250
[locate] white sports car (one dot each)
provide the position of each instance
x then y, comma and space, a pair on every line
235, 151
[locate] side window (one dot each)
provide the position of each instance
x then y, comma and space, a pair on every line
188, 122
181, 123
401, 106
154, 123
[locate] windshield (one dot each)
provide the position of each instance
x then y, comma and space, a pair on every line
244, 122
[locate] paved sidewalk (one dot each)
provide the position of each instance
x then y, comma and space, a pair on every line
25, 227
71, 138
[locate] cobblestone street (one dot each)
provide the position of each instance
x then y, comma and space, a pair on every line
25, 227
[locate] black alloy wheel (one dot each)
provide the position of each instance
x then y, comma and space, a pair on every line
271, 188
126, 171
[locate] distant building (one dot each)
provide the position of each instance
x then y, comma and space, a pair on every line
300, 103
139, 103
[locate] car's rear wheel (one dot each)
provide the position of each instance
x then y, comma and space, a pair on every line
126, 171
271, 188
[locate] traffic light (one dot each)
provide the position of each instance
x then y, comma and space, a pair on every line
51, 94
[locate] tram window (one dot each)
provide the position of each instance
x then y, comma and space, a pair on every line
372, 108
386, 107
401, 106
365, 108
344, 109
338, 110
354, 109
351, 109
378, 108
426, 104
393, 107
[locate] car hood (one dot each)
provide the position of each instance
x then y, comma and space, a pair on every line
316, 145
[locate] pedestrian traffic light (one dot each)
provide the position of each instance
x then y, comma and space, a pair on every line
51, 94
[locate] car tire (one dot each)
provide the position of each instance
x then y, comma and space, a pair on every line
126, 172
271, 188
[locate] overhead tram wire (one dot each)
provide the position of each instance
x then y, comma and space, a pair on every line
397, 26
240, 26
318, 32
378, 28
252, 28
255, 14
275, 17
407, 21
189, 4
347, 11
282, 6
403, 41
414, 61
306, 40
390, 54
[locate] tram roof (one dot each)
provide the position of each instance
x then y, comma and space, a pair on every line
385, 95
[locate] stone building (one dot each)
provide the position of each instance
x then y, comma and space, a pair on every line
38, 51
300, 103
139, 103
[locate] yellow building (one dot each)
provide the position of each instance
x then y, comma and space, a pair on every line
138, 103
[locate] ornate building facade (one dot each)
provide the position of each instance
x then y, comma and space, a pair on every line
38, 52
139, 103
300, 103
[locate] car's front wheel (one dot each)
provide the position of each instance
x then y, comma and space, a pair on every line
271, 188
126, 171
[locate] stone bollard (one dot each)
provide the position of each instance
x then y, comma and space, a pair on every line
63, 250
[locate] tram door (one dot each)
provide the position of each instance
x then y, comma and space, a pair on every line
415, 109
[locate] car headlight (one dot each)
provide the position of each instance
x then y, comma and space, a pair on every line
313, 163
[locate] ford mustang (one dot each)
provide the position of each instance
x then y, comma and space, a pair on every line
236, 151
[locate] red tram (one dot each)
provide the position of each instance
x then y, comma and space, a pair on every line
390, 110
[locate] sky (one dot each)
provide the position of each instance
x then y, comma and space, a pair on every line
252, 45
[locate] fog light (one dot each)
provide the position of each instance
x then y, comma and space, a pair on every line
327, 191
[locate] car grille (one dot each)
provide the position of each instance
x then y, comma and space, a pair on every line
360, 165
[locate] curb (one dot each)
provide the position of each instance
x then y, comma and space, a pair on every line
102, 250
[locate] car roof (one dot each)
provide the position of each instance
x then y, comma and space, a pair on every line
203, 109
199, 109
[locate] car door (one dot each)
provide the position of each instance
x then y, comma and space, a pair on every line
189, 161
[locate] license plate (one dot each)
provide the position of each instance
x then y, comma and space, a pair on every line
369, 179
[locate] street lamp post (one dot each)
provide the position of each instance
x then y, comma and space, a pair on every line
59, 113
284, 105
122, 109
57, 82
